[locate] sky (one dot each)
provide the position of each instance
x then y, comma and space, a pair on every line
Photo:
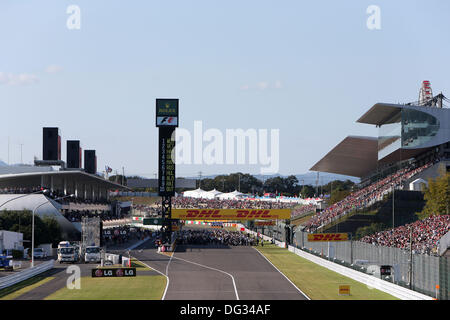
307, 68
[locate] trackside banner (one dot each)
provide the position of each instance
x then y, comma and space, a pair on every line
327, 237
264, 223
231, 214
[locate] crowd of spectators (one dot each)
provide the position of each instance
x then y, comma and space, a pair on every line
19, 190
186, 203
425, 235
105, 215
363, 198
218, 237
124, 234
303, 210
146, 210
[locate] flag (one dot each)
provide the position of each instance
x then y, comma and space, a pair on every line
108, 169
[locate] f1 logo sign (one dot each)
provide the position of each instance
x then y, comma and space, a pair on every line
166, 121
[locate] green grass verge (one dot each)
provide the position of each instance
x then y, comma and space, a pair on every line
20, 288
138, 265
317, 282
130, 288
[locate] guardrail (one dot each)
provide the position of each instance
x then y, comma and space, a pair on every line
14, 278
371, 281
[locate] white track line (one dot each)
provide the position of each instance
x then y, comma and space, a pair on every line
282, 274
167, 267
201, 265
167, 277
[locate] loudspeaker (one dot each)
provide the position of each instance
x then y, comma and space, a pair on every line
51, 144
90, 161
73, 154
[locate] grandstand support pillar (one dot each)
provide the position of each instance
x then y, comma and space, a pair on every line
51, 183
65, 186
84, 191
42, 181
93, 192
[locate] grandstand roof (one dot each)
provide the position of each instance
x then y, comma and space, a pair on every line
380, 113
32, 179
354, 156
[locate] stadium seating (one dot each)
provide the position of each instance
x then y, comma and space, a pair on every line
362, 198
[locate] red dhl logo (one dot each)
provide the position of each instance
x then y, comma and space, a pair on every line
327, 237
194, 213
203, 214
253, 214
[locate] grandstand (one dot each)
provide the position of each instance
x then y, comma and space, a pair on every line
413, 144
20, 188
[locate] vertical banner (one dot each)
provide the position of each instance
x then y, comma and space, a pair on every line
166, 177
166, 121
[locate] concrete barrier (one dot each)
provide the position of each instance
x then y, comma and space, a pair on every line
369, 280
28, 273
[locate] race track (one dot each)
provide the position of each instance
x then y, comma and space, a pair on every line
219, 273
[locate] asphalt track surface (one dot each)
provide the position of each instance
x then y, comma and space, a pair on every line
218, 273
198, 272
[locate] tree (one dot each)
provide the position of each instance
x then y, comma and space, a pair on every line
46, 230
307, 191
53, 234
437, 196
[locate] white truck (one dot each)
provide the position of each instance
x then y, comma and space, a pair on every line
92, 254
67, 252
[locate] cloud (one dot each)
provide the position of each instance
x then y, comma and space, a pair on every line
17, 79
53, 69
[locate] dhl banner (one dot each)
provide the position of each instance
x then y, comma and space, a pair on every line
264, 223
344, 290
314, 237
231, 214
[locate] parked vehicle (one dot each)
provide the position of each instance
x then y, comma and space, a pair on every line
6, 262
67, 252
39, 253
92, 254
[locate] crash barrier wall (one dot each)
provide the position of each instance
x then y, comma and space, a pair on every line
126, 262
428, 271
114, 258
14, 278
280, 244
371, 281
